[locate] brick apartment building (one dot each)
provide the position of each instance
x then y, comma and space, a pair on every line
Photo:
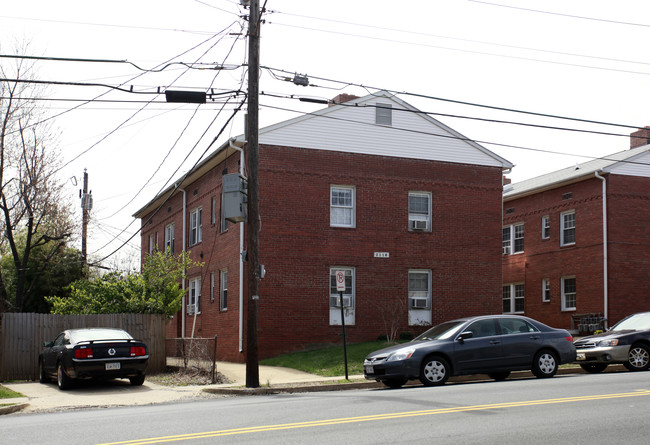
584, 261
408, 208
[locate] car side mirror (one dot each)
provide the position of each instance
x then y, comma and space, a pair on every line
48, 344
465, 335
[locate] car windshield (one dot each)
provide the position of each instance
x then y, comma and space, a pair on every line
637, 322
441, 331
99, 334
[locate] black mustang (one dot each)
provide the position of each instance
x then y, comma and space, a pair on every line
102, 353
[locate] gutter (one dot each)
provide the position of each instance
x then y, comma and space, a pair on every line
241, 253
605, 259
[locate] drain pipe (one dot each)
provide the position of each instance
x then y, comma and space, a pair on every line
241, 254
605, 260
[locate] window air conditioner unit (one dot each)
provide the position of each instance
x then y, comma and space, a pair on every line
418, 303
506, 250
417, 224
191, 309
334, 302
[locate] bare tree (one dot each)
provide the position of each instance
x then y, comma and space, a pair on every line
33, 213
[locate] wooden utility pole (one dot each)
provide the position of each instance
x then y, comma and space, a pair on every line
252, 365
86, 205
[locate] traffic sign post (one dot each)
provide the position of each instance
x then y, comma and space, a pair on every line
340, 287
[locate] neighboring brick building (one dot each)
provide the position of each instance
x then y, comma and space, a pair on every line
567, 271
408, 208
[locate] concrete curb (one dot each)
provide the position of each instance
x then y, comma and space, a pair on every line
13, 408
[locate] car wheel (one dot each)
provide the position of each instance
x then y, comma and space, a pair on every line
42, 376
137, 380
394, 383
545, 364
499, 376
62, 380
434, 371
638, 359
594, 368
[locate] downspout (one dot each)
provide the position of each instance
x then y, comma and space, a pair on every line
241, 254
605, 260
184, 271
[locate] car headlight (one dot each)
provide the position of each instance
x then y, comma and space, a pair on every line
611, 342
402, 354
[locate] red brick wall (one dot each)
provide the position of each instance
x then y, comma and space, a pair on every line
298, 246
628, 213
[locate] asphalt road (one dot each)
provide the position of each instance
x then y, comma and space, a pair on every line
573, 409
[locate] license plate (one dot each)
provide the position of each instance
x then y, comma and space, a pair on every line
111, 366
580, 356
369, 369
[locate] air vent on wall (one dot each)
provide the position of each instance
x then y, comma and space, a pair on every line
567, 196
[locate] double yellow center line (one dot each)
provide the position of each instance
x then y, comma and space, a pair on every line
344, 420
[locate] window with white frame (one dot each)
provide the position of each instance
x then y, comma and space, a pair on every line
223, 290
196, 234
513, 298
224, 221
213, 210
569, 295
546, 290
568, 228
194, 296
546, 227
513, 239
419, 289
384, 114
169, 238
212, 283
151, 244
348, 294
342, 212
419, 211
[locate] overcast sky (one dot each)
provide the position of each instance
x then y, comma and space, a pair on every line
580, 59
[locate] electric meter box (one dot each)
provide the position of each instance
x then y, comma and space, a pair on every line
235, 198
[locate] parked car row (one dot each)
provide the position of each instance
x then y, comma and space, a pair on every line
99, 353
496, 345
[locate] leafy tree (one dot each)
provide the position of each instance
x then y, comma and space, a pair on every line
44, 275
31, 198
155, 290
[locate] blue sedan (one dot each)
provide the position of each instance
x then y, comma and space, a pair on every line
494, 344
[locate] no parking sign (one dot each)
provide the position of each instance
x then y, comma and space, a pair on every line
340, 281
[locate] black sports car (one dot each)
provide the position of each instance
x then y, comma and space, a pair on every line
494, 345
102, 353
627, 342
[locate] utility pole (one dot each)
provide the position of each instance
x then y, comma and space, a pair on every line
252, 365
86, 206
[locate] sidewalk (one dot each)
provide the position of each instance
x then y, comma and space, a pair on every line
48, 398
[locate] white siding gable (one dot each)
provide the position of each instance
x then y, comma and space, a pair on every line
351, 128
637, 166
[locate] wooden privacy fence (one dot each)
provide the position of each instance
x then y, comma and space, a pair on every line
22, 336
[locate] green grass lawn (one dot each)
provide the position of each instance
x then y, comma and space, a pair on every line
328, 361
6, 393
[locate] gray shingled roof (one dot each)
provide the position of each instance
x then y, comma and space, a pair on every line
570, 174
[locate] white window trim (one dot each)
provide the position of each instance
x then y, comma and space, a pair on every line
564, 306
213, 211
413, 217
412, 297
151, 244
513, 297
352, 207
212, 286
546, 285
546, 227
223, 290
169, 237
348, 297
196, 223
194, 293
509, 249
562, 228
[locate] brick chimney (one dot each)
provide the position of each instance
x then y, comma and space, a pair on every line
342, 98
640, 137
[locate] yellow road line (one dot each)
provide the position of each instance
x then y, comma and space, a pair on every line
344, 420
